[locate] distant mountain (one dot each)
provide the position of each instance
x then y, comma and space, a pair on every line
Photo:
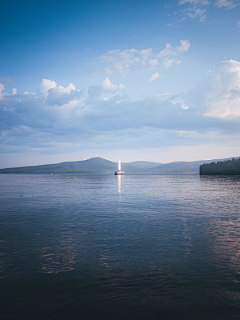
141, 164
99, 165
90, 165
180, 167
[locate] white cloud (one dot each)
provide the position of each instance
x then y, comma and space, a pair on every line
168, 62
194, 13
146, 53
63, 115
160, 97
45, 85
58, 95
153, 63
194, 10
131, 60
228, 4
68, 89
113, 55
194, 7
107, 70
121, 86
153, 77
184, 47
26, 92
1, 88
5, 80
168, 50
4, 95
194, 2
48, 94
218, 95
238, 24
108, 86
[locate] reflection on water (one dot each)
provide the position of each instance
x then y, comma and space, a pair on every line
167, 247
119, 183
119, 186
226, 244
59, 257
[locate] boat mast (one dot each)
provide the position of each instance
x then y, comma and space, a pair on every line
119, 164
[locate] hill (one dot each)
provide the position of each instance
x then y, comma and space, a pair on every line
180, 167
141, 164
227, 167
99, 165
85, 166
90, 165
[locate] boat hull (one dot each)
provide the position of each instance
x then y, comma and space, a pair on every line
119, 173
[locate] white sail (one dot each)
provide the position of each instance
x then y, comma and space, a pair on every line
119, 164
119, 172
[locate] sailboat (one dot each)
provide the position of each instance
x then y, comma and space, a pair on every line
119, 172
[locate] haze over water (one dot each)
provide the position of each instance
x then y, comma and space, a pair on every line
112, 247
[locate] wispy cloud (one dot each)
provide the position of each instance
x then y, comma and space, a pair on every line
194, 13
130, 60
198, 8
194, 9
5, 80
153, 77
170, 51
194, 2
227, 4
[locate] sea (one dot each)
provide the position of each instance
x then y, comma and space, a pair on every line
99, 246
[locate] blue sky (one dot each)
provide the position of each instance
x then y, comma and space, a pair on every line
150, 80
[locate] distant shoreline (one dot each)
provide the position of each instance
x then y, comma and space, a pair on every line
103, 166
227, 167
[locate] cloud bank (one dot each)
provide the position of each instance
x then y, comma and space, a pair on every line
65, 117
218, 95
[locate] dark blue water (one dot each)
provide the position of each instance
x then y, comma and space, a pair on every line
108, 247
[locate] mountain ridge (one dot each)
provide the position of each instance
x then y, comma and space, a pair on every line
100, 165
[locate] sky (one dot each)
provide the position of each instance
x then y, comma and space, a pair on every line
148, 80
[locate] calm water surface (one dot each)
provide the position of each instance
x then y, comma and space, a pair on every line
108, 247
